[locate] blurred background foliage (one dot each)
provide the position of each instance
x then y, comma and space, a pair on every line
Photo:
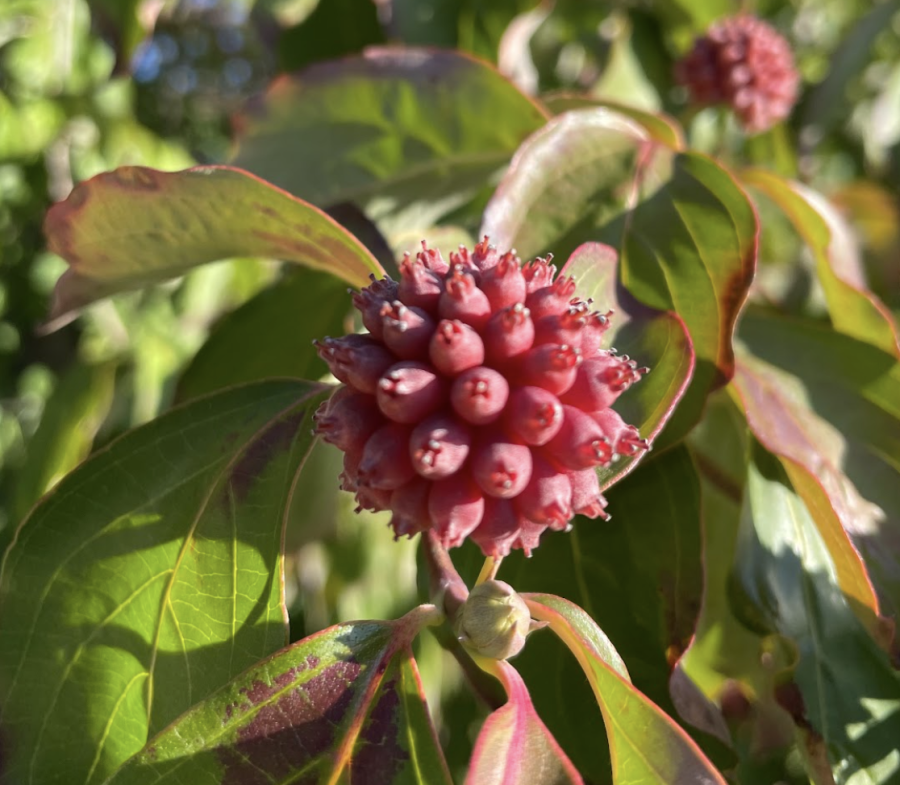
89, 85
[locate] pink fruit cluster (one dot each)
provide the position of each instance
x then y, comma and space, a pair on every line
744, 63
478, 405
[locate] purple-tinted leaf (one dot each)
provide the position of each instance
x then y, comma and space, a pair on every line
829, 407
136, 226
686, 233
343, 705
854, 310
646, 745
409, 134
514, 746
656, 339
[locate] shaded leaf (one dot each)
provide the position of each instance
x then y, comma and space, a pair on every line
147, 578
409, 134
136, 226
854, 310
344, 703
686, 233
514, 746
270, 335
69, 423
638, 576
829, 406
653, 338
646, 745
850, 693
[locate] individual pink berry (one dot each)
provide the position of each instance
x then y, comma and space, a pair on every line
419, 286
508, 334
348, 421
500, 467
504, 283
580, 443
438, 446
479, 395
534, 415
625, 438
358, 360
456, 507
409, 391
600, 380
463, 300
406, 330
478, 403
744, 63
551, 366
586, 497
385, 462
455, 347
547, 498
370, 301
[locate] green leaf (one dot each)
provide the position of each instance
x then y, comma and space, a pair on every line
514, 746
409, 134
136, 226
638, 576
271, 334
854, 310
660, 126
829, 406
686, 233
70, 421
646, 745
653, 338
344, 703
851, 695
147, 578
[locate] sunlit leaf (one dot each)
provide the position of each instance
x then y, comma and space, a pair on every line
646, 745
686, 233
136, 226
655, 339
147, 579
850, 693
344, 705
660, 126
854, 310
830, 407
410, 134
514, 746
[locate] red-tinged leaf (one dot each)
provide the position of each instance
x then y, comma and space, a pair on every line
657, 339
854, 310
686, 233
514, 746
660, 126
135, 226
646, 745
829, 407
343, 705
410, 134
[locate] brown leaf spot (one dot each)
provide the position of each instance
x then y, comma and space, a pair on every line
135, 178
264, 449
292, 732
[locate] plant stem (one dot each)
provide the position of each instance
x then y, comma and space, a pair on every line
489, 570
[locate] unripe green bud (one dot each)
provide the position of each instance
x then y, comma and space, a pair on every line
494, 621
